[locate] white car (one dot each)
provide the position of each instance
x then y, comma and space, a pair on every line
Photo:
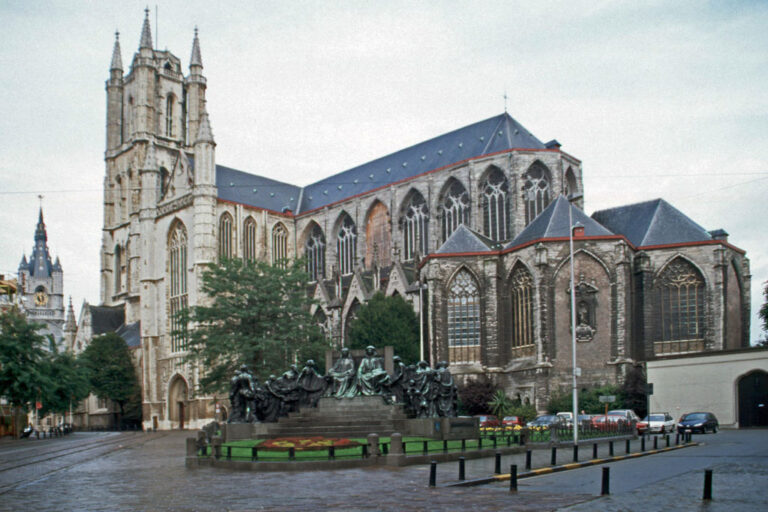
659, 422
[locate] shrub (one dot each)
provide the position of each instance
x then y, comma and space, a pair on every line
475, 395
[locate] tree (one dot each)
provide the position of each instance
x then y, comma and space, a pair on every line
475, 395
22, 360
110, 370
258, 315
386, 321
69, 382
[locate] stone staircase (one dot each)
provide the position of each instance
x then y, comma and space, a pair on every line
347, 417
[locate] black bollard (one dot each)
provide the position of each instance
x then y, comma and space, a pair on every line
292, 452
554, 456
627, 448
462, 474
610, 448
594, 451
707, 484
655, 443
497, 465
642, 444
666, 438
432, 473
677, 438
575, 453
527, 460
513, 478
606, 487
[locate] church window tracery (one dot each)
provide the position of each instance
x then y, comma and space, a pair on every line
521, 295
346, 247
536, 185
225, 236
314, 251
249, 239
455, 206
169, 107
378, 237
463, 319
118, 273
680, 295
496, 206
177, 289
279, 245
415, 227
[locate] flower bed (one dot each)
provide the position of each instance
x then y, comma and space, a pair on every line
306, 443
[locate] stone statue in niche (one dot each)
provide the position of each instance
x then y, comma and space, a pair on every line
586, 307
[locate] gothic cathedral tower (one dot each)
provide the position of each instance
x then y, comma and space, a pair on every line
159, 213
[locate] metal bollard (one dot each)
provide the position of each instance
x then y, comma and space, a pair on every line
575, 453
554, 456
432, 473
513, 478
606, 486
707, 484
462, 473
655, 443
610, 448
666, 438
642, 444
627, 448
497, 465
677, 438
594, 451
527, 459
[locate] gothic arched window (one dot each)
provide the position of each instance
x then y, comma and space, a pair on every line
177, 283
571, 186
249, 239
378, 239
536, 184
225, 236
455, 206
415, 226
314, 252
117, 270
321, 319
279, 245
169, 104
346, 246
521, 301
463, 319
496, 206
680, 300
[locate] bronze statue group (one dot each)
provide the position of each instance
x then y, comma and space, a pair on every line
424, 392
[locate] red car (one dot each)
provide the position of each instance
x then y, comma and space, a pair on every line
512, 421
608, 422
488, 421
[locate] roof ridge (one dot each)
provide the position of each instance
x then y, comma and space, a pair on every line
652, 222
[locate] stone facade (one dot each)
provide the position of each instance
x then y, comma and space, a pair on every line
472, 208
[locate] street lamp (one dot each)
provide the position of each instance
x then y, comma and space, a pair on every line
576, 370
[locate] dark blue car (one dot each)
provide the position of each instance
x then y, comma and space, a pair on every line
702, 422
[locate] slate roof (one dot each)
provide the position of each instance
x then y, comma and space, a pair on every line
653, 222
131, 333
553, 222
491, 135
466, 240
106, 318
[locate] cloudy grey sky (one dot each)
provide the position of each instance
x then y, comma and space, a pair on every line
658, 99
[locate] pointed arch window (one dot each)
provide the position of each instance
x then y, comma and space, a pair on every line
536, 191
496, 206
314, 252
249, 239
117, 270
321, 319
455, 206
415, 223
169, 107
177, 284
346, 247
521, 302
279, 245
378, 237
680, 303
571, 186
225, 236
464, 319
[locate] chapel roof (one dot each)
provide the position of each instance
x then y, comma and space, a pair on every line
106, 319
464, 240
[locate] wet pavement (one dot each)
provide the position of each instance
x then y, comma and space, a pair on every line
138, 471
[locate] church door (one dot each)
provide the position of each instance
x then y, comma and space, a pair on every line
753, 399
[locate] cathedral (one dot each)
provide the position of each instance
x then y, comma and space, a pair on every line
472, 227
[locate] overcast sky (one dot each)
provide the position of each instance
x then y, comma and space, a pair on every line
658, 99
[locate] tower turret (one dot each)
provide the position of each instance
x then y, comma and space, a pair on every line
195, 90
115, 98
143, 72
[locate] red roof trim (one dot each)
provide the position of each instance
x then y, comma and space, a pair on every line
691, 244
273, 212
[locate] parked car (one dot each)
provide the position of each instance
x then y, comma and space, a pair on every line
567, 417
628, 414
657, 422
512, 421
488, 421
547, 420
608, 422
698, 422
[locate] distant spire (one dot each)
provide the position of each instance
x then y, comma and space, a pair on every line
204, 134
195, 59
57, 265
40, 233
117, 61
146, 32
23, 264
71, 325
150, 162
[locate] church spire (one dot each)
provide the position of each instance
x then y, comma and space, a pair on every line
71, 323
146, 32
117, 60
195, 60
40, 232
204, 134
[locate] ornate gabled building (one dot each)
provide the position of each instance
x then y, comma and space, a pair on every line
471, 227
41, 286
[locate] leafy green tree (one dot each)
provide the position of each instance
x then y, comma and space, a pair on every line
501, 405
110, 370
475, 395
258, 315
23, 376
386, 321
69, 382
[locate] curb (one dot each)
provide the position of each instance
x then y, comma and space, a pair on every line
565, 467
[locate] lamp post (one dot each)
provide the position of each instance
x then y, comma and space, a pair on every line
576, 370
